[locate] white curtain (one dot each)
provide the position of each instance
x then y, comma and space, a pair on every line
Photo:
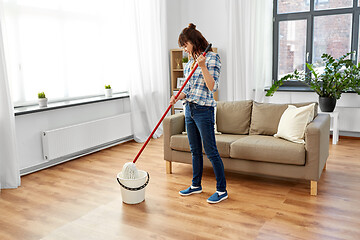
148, 72
249, 55
67, 49
9, 169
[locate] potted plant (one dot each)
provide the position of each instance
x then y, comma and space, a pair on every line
42, 99
184, 61
108, 91
337, 76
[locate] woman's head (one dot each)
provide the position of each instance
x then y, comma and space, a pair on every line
192, 40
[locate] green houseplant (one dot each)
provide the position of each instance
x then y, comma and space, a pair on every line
42, 99
108, 91
184, 61
338, 76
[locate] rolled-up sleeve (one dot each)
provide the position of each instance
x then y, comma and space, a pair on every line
214, 66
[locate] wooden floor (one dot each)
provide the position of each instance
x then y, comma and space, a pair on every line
81, 199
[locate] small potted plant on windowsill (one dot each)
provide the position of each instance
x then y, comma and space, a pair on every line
338, 76
108, 91
184, 61
42, 99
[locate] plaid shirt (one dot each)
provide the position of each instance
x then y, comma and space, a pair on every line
196, 90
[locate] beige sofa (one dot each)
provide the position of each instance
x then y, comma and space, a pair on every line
247, 144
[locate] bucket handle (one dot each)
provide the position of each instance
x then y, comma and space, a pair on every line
138, 188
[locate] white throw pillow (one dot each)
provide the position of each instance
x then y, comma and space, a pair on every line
215, 126
293, 123
312, 112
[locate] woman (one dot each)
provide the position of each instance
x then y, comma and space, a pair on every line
199, 110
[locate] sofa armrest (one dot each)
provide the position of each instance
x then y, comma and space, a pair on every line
317, 145
174, 124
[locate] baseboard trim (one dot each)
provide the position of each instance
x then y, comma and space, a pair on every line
346, 134
349, 137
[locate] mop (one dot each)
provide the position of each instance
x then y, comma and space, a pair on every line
129, 170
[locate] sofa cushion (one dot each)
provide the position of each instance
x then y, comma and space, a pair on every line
180, 142
268, 149
265, 117
293, 123
234, 117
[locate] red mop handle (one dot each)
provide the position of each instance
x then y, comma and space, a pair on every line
168, 109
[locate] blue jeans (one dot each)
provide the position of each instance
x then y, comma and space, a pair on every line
200, 122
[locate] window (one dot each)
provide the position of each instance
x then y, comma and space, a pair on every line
292, 46
305, 29
67, 49
332, 35
288, 6
331, 4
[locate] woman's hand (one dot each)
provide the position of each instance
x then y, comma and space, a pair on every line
201, 61
173, 100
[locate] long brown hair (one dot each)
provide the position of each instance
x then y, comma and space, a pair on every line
192, 35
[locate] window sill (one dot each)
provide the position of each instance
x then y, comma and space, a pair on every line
293, 89
70, 103
299, 89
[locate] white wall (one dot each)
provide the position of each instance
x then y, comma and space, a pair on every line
210, 17
30, 126
173, 15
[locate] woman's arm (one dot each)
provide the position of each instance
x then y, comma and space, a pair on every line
209, 80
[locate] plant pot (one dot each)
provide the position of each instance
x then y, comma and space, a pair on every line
184, 64
43, 102
327, 104
108, 92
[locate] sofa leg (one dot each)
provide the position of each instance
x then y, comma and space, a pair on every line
168, 167
324, 167
313, 187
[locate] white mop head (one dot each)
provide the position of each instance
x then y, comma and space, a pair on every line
129, 171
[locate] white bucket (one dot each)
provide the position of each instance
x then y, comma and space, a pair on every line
133, 190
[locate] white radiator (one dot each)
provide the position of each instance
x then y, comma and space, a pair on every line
77, 138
